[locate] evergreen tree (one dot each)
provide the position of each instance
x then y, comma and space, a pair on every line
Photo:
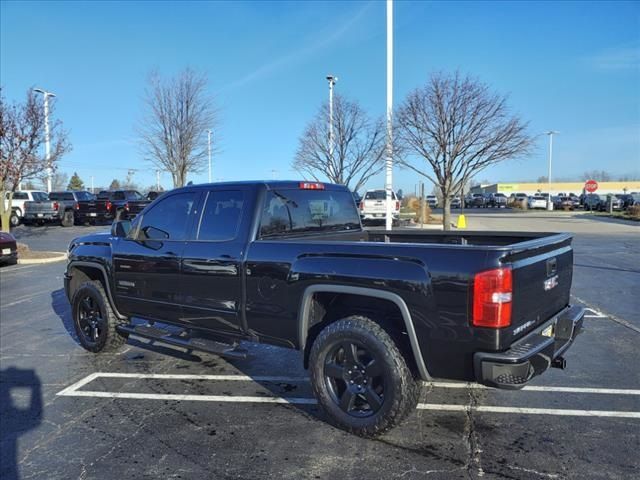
75, 183
115, 184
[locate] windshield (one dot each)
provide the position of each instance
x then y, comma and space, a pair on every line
297, 211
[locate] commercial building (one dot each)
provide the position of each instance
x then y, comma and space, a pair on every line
556, 188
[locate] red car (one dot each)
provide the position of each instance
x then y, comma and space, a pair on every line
8, 249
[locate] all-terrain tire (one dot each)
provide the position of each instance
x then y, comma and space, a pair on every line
67, 219
14, 220
400, 392
96, 333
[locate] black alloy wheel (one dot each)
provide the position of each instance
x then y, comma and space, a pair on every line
354, 379
91, 320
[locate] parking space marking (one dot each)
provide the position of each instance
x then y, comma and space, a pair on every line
74, 391
26, 298
594, 313
267, 378
313, 401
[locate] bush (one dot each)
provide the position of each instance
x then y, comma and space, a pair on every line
634, 211
414, 205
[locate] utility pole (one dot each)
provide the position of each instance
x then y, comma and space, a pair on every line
47, 144
209, 133
389, 147
158, 180
92, 191
551, 133
332, 81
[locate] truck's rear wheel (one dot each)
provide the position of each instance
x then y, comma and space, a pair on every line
94, 320
360, 377
67, 219
14, 219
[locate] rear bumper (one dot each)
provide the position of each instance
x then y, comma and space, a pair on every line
531, 355
377, 216
48, 216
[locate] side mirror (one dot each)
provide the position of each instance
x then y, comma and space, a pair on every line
120, 228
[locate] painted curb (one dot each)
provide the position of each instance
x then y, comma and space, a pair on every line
36, 261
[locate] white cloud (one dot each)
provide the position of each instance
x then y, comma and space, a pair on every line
622, 57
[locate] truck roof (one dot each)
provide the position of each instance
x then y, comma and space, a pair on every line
269, 184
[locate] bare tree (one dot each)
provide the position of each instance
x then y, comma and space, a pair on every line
600, 175
21, 140
459, 128
173, 132
59, 181
358, 145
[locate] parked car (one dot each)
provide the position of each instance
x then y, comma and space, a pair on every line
374, 313
59, 207
563, 203
8, 249
455, 201
373, 206
518, 200
17, 203
497, 200
626, 199
110, 205
616, 203
477, 200
537, 201
151, 196
431, 200
592, 201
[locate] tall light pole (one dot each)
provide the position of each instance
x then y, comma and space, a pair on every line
332, 81
389, 146
47, 144
551, 133
209, 133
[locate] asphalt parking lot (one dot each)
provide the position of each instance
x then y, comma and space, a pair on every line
66, 413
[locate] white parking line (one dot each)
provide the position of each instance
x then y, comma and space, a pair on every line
594, 313
266, 378
73, 391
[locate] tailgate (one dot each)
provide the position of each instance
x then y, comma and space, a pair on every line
35, 207
375, 206
135, 207
92, 206
542, 275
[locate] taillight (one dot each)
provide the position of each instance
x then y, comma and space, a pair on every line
76, 206
311, 186
126, 207
108, 206
361, 205
55, 205
492, 295
397, 205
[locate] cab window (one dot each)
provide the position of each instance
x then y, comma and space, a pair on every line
221, 216
169, 218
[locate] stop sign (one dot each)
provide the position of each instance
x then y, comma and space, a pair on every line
591, 186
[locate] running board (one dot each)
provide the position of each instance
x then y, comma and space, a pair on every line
161, 335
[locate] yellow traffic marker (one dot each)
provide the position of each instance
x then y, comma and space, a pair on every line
462, 222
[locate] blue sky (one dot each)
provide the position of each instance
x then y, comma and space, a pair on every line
567, 66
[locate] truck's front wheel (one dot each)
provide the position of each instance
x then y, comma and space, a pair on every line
94, 320
360, 377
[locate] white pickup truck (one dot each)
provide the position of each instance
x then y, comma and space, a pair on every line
17, 202
373, 206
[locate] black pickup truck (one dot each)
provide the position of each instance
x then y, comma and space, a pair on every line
110, 205
374, 312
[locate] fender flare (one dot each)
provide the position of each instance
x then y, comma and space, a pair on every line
305, 307
98, 266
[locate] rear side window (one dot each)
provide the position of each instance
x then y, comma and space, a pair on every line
297, 211
20, 196
169, 218
221, 215
55, 196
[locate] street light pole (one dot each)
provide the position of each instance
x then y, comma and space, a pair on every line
389, 146
47, 143
209, 133
551, 133
332, 81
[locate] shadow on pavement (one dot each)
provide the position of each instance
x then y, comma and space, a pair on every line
62, 309
16, 419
